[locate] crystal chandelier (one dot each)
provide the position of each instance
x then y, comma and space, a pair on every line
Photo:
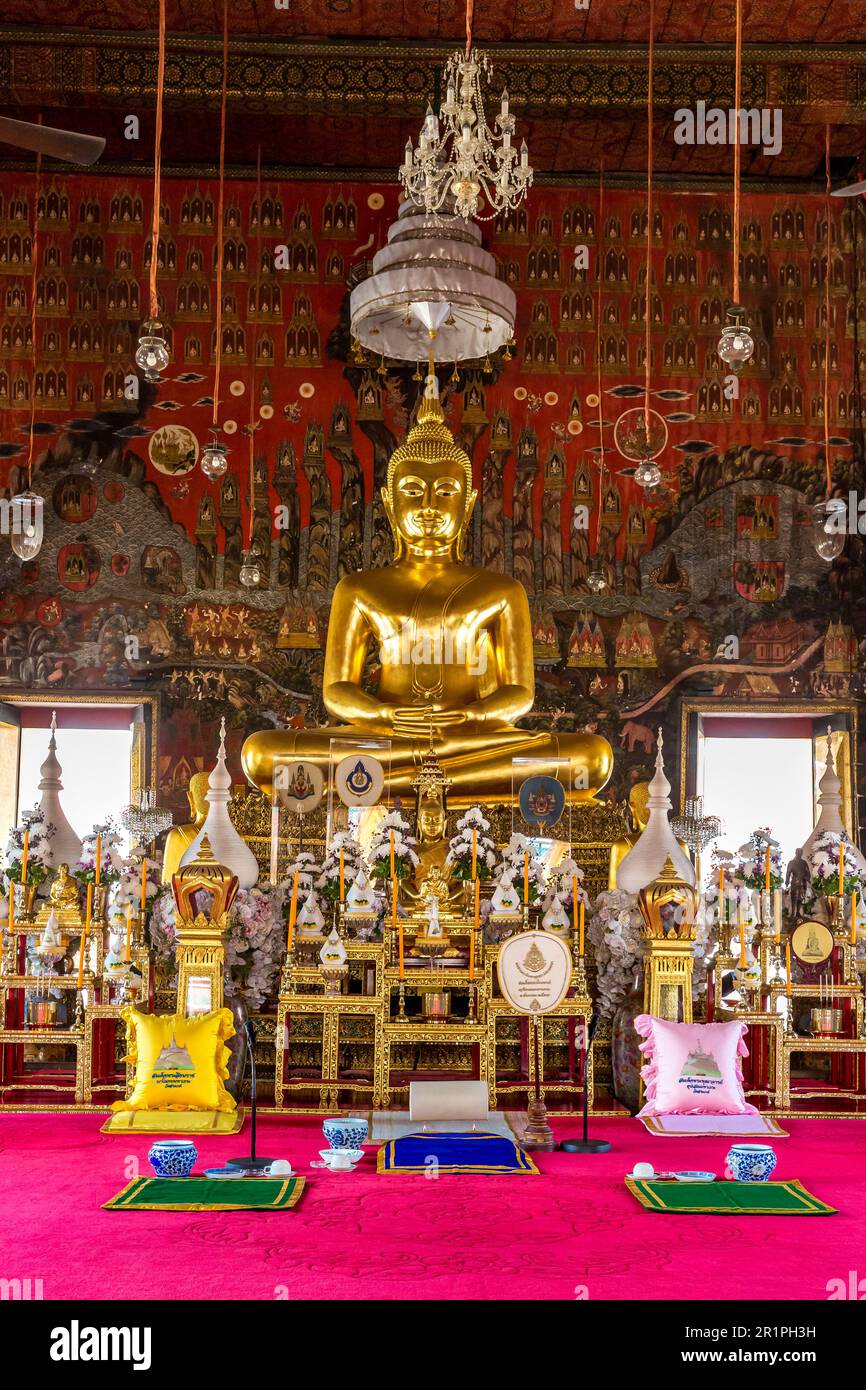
144, 819
693, 827
467, 159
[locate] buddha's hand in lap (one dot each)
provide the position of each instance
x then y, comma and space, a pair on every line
414, 721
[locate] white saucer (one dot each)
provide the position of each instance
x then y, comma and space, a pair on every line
354, 1156
696, 1176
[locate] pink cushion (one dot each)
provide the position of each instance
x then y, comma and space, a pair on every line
693, 1068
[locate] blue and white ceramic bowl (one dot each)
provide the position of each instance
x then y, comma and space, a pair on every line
345, 1133
172, 1158
751, 1162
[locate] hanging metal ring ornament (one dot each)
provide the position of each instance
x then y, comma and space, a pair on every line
829, 525
640, 436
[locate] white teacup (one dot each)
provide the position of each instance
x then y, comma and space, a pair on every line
340, 1159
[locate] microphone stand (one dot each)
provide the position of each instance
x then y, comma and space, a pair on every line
586, 1145
251, 1163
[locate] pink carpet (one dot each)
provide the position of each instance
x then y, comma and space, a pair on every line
572, 1232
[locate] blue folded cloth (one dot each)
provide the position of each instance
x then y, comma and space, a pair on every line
454, 1151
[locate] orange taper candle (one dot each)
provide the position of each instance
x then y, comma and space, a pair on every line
400, 944
472, 933
11, 909
767, 868
87, 920
342, 877
293, 912
393, 875
841, 868
853, 919
721, 895
24, 855
526, 878
143, 905
128, 952
574, 904
97, 867
582, 929
778, 910
474, 852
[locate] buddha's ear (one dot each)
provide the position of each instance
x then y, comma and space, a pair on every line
399, 547
467, 516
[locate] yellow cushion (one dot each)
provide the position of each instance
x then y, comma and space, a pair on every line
174, 1122
180, 1063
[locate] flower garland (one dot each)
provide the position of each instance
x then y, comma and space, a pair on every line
560, 883
823, 861
112, 861
254, 942
37, 848
615, 930
512, 868
752, 869
328, 881
459, 858
392, 832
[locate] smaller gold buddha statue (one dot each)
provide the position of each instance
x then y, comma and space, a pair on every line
64, 892
62, 908
639, 815
431, 878
180, 837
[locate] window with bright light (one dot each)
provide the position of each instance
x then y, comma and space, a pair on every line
96, 773
751, 782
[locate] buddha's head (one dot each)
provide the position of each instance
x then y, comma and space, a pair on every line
429, 495
197, 796
432, 819
637, 800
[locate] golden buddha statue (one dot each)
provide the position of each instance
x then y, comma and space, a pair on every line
64, 891
431, 879
180, 837
454, 644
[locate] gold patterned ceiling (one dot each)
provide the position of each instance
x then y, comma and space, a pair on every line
348, 80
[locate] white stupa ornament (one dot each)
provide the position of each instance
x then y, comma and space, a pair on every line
829, 813
555, 918
226, 844
310, 920
505, 902
361, 897
333, 952
646, 858
61, 844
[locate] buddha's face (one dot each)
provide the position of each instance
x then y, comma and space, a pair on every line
431, 821
428, 505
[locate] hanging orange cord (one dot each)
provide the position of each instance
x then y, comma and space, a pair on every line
827, 206
738, 63
255, 344
649, 219
157, 165
220, 228
34, 286
599, 283
470, 10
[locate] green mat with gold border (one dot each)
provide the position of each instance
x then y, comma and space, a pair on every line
208, 1194
728, 1198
